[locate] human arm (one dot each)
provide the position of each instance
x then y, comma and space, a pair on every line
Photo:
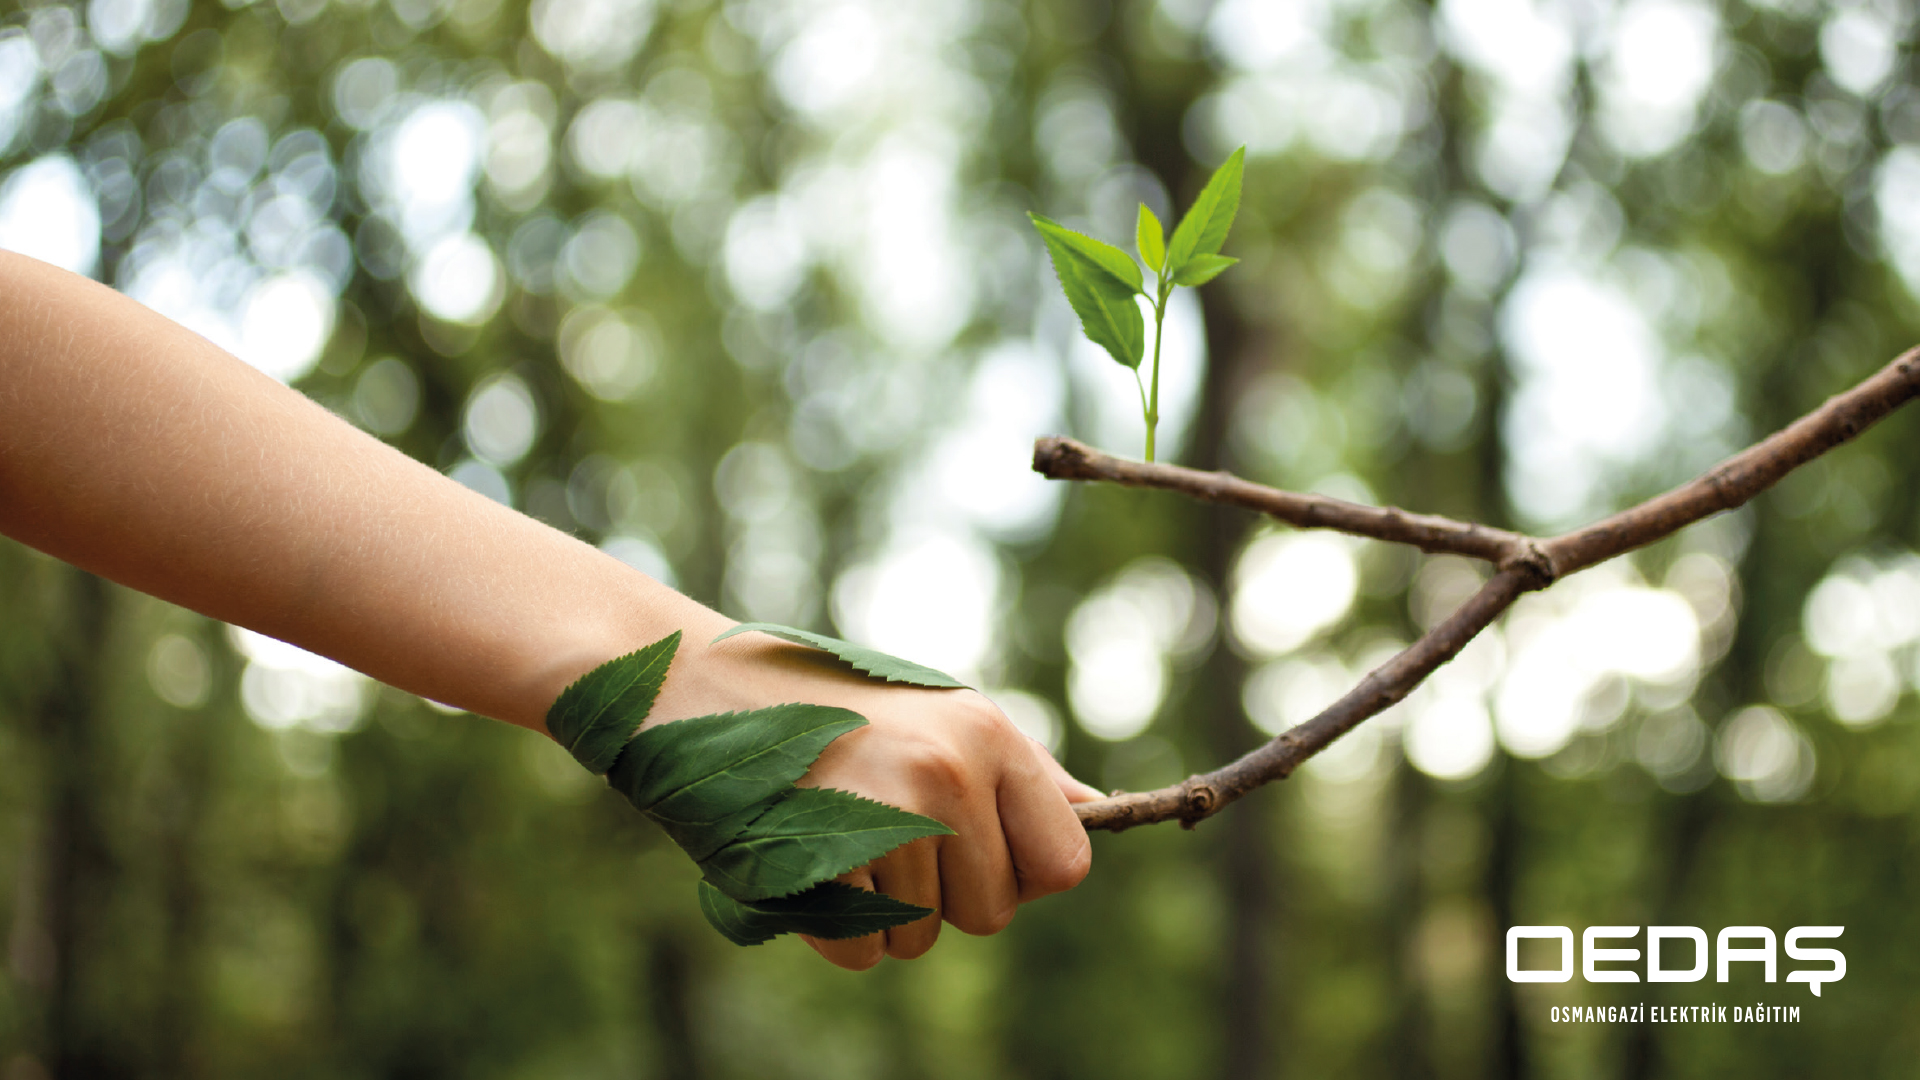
135, 449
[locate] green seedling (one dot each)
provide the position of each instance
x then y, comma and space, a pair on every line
1101, 281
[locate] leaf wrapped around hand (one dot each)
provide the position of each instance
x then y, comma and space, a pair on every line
596, 716
870, 661
722, 787
830, 910
703, 779
809, 836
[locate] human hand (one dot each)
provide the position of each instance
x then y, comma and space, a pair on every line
947, 754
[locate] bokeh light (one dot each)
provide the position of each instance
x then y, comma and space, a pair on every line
742, 294
1765, 755
1863, 618
286, 687
1124, 640
883, 600
47, 211
1289, 587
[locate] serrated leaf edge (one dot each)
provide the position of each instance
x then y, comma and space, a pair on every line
768, 748
1109, 259
661, 662
1194, 224
796, 636
911, 820
903, 913
1100, 301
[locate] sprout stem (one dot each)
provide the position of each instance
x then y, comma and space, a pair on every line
1153, 405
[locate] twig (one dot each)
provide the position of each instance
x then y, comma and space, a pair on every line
1060, 458
1525, 563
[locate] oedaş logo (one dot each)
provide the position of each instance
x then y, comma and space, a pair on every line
1727, 954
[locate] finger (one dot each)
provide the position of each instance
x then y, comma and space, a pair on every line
978, 892
912, 874
1072, 787
854, 954
1045, 839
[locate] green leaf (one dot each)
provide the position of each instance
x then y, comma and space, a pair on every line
722, 787
596, 716
1150, 238
704, 779
829, 910
1103, 301
871, 661
809, 836
1203, 268
1101, 254
1205, 227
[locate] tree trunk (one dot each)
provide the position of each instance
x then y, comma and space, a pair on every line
79, 864
1244, 854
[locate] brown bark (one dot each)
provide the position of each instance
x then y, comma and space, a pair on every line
1065, 459
1523, 564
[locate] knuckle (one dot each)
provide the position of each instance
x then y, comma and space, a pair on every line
1080, 862
860, 954
854, 954
1070, 870
912, 941
999, 917
939, 767
980, 718
986, 921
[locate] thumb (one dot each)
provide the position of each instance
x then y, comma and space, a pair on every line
1074, 790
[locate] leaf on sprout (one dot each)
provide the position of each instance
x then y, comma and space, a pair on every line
596, 716
809, 836
1203, 268
1150, 238
705, 778
1102, 300
870, 661
1101, 254
1205, 227
830, 910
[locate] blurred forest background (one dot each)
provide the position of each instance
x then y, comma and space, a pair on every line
743, 291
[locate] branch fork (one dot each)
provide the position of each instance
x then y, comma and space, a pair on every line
1521, 564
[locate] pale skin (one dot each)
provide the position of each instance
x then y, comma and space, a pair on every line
137, 450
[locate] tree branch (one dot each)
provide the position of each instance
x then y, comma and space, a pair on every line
1060, 458
1525, 563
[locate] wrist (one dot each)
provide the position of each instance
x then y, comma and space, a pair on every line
631, 611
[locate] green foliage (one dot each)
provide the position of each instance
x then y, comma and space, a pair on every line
810, 835
1101, 281
596, 716
829, 910
1151, 239
1202, 268
722, 787
1204, 229
704, 778
871, 661
1086, 250
428, 895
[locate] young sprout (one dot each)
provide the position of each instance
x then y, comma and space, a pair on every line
1101, 281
